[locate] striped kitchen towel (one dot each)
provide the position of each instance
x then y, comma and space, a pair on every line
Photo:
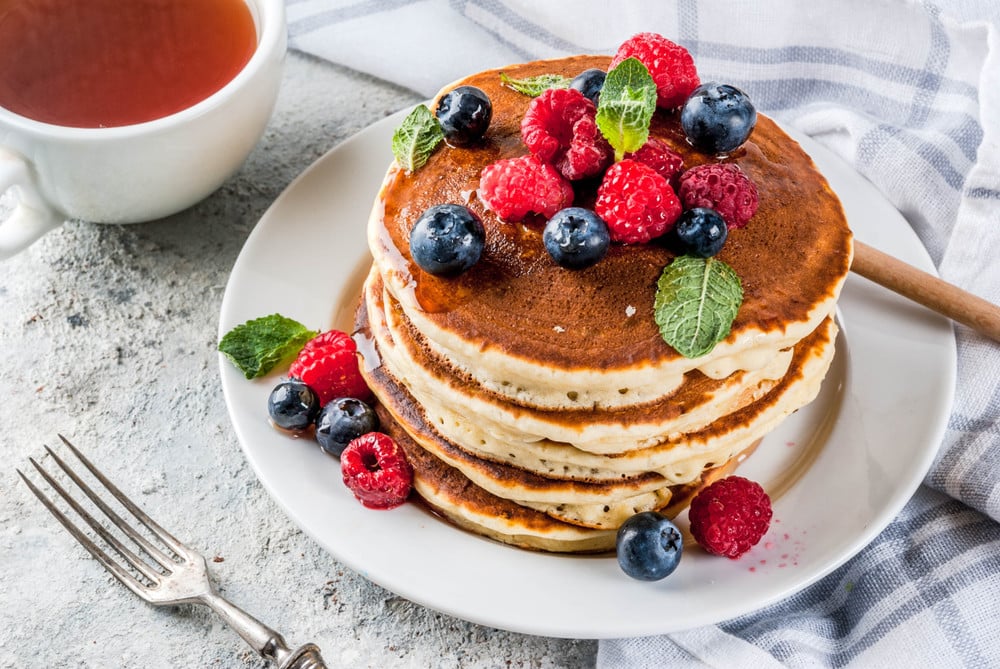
909, 94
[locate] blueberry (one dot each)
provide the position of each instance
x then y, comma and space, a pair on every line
447, 239
649, 546
589, 82
341, 421
701, 232
717, 118
292, 405
576, 237
464, 114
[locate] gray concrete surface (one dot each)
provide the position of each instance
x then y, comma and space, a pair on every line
107, 335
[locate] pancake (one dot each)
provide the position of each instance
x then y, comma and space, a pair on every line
540, 406
437, 384
604, 502
676, 458
581, 338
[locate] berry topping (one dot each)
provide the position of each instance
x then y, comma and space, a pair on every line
328, 364
649, 546
292, 405
718, 118
589, 82
576, 238
560, 128
670, 65
658, 155
701, 232
342, 421
464, 114
514, 188
376, 471
730, 516
723, 187
447, 240
637, 203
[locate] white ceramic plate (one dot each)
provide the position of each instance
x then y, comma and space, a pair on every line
839, 470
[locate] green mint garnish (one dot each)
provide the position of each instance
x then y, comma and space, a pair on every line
535, 86
415, 139
257, 346
626, 105
696, 303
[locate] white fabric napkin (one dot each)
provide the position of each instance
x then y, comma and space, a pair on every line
909, 94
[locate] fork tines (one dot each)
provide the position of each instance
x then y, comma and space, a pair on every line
149, 574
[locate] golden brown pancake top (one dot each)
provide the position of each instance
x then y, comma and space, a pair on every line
791, 256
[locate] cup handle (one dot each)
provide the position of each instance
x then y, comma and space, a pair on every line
31, 217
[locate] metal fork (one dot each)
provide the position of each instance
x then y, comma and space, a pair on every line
160, 578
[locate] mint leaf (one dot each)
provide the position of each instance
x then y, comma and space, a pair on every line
257, 346
696, 304
535, 86
626, 106
415, 139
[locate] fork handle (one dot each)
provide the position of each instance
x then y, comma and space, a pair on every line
304, 657
266, 641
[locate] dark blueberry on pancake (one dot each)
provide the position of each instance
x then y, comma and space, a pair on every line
718, 118
576, 238
590, 82
464, 114
447, 240
701, 232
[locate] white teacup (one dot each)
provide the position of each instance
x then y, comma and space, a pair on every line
144, 171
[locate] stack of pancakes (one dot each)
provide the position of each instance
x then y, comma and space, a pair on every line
540, 406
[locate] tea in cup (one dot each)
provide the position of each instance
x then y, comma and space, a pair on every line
121, 112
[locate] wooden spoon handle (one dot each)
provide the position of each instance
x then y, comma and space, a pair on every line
928, 290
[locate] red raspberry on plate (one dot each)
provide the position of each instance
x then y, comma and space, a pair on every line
375, 469
514, 188
657, 154
328, 364
671, 66
723, 187
636, 202
730, 516
560, 128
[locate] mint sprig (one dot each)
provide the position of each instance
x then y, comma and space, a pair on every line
258, 346
626, 106
696, 303
416, 138
535, 86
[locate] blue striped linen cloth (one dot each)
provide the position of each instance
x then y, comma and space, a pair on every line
909, 94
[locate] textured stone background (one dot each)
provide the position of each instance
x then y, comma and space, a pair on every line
107, 335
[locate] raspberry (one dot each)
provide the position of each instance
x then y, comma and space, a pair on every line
671, 65
516, 187
375, 469
328, 364
723, 187
637, 203
730, 516
560, 128
658, 155
330, 338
